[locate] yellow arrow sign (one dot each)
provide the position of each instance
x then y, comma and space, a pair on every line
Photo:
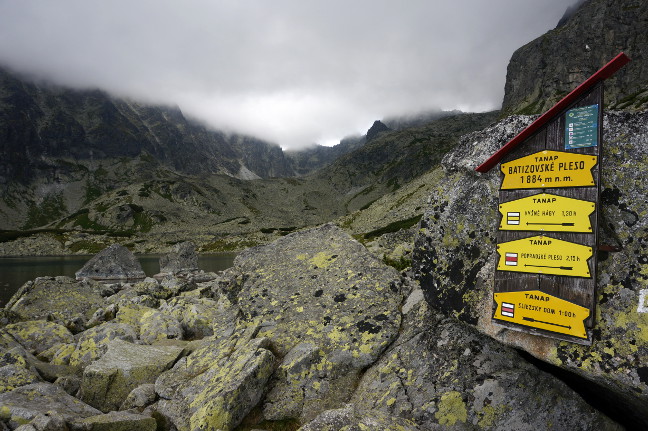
543, 311
544, 255
547, 212
547, 168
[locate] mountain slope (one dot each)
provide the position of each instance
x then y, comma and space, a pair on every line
546, 69
42, 123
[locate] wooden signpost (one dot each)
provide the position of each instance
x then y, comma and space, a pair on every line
545, 278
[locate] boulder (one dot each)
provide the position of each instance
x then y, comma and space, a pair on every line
69, 384
454, 259
117, 421
157, 326
199, 317
182, 257
25, 403
323, 288
15, 369
140, 397
107, 382
58, 354
49, 421
13, 376
129, 296
346, 418
131, 314
21, 358
150, 286
217, 385
93, 343
112, 263
60, 299
441, 373
39, 335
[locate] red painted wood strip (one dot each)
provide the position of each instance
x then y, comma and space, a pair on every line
603, 73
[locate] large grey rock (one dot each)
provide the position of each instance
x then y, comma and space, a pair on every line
49, 422
157, 326
182, 257
60, 299
198, 317
540, 74
93, 343
347, 419
117, 421
107, 382
25, 403
323, 288
13, 376
442, 374
39, 335
217, 385
454, 259
140, 397
112, 263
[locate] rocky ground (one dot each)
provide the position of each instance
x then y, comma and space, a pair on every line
311, 332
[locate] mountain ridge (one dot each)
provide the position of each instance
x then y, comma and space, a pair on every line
79, 163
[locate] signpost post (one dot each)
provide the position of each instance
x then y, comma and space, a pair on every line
545, 278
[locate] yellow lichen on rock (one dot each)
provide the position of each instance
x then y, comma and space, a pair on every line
452, 409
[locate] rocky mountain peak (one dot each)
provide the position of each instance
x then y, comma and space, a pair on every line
377, 127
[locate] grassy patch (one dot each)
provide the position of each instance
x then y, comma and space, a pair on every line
286, 230
228, 245
393, 227
368, 204
92, 191
87, 246
400, 263
52, 208
530, 109
83, 221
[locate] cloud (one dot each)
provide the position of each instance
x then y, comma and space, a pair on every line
290, 71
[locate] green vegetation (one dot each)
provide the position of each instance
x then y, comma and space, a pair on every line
228, 245
82, 220
141, 220
368, 204
393, 227
400, 263
52, 208
87, 246
530, 109
635, 100
92, 192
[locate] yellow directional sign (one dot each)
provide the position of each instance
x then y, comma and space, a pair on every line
543, 311
544, 255
546, 169
547, 212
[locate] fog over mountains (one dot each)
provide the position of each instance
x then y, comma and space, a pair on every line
287, 72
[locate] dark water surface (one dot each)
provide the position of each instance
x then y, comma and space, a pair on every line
15, 271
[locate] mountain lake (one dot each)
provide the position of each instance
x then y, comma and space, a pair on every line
15, 271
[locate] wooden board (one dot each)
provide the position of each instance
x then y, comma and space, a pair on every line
577, 290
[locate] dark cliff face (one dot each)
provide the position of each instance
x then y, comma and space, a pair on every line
546, 69
40, 124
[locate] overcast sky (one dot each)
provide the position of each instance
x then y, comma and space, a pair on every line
292, 72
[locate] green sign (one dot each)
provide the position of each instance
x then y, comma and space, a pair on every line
581, 127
